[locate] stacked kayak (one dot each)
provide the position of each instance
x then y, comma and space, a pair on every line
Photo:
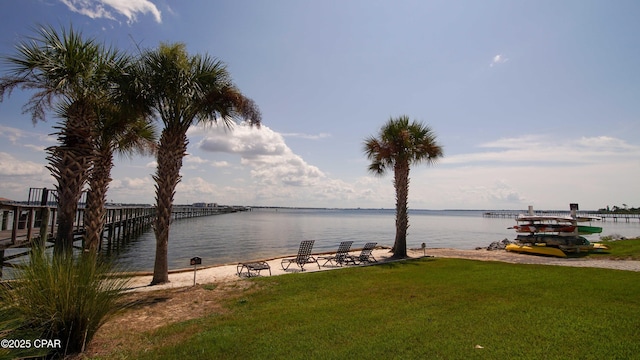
554, 235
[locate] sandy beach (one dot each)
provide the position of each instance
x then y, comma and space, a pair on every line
224, 273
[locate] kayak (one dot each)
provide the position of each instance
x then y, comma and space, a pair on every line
589, 229
598, 247
535, 228
536, 250
552, 240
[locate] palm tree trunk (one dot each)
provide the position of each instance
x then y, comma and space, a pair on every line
95, 212
401, 183
69, 164
172, 148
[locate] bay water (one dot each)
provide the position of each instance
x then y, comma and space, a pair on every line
269, 233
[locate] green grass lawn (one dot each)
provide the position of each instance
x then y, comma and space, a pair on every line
623, 249
420, 309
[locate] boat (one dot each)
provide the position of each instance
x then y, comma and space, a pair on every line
536, 249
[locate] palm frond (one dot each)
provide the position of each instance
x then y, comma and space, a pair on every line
402, 141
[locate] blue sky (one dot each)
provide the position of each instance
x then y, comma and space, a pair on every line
534, 102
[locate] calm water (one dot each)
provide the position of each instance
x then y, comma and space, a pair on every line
267, 233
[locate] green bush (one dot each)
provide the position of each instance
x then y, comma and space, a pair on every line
58, 298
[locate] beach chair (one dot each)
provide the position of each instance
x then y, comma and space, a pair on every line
253, 268
304, 256
340, 257
365, 255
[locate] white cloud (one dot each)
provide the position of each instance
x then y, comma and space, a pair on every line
18, 175
10, 166
279, 176
532, 170
21, 137
605, 143
243, 140
132, 190
11, 134
265, 152
131, 183
193, 162
195, 159
38, 148
498, 59
104, 8
307, 136
534, 149
220, 164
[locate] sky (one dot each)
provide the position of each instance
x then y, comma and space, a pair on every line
534, 102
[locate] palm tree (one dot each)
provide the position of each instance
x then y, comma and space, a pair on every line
120, 134
184, 90
65, 68
398, 145
123, 127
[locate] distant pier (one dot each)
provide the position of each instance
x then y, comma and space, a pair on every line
604, 217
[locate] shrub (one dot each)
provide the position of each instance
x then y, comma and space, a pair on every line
59, 298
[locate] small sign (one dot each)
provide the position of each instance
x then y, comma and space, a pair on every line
195, 262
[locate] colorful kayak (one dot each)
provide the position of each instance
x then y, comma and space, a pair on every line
544, 218
552, 240
536, 250
585, 230
535, 228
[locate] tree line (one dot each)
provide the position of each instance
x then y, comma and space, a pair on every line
624, 209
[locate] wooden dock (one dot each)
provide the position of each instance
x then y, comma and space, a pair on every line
22, 225
605, 217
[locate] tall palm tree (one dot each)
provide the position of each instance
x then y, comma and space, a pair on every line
398, 145
123, 127
184, 90
122, 134
64, 68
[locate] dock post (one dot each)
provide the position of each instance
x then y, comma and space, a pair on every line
5, 220
44, 228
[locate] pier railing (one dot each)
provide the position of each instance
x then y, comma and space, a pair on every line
605, 217
19, 224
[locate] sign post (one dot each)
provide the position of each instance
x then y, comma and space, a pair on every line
195, 262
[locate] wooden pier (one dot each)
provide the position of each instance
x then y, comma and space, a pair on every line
22, 225
605, 217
